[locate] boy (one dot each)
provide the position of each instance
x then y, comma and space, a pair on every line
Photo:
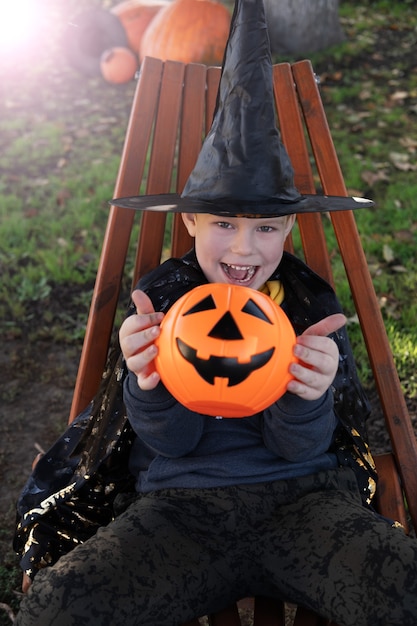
233, 507
275, 504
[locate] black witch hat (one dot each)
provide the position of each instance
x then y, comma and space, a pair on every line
243, 167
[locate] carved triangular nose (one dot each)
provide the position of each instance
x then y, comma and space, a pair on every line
226, 328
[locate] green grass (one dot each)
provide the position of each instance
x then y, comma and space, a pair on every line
60, 156
369, 91
10, 580
55, 187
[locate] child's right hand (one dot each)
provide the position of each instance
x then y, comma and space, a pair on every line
137, 336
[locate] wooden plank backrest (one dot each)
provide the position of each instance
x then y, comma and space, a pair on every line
171, 112
366, 303
116, 239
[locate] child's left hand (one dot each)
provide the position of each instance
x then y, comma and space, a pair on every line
319, 359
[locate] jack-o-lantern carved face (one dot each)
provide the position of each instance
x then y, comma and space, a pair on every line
225, 350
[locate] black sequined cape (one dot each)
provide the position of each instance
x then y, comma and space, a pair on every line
78, 484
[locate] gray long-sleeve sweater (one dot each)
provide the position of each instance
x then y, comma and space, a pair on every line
179, 448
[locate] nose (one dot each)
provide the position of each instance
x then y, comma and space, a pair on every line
242, 242
226, 328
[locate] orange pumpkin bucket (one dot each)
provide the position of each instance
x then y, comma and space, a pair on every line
225, 350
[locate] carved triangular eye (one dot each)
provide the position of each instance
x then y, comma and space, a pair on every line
204, 305
251, 308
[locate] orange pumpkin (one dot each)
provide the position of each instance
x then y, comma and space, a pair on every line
225, 350
191, 31
136, 15
118, 65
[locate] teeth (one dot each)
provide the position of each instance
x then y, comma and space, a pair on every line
241, 267
248, 270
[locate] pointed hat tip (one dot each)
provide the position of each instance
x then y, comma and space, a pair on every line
243, 167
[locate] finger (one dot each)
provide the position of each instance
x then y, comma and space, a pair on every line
300, 389
142, 302
315, 370
136, 337
327, 325
144, 307
148, 382
305, 391
310, 382
312, 370
138, 331
142, 364
316, 346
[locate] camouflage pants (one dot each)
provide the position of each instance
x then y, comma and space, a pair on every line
181, 553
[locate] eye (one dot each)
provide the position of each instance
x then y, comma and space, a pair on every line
266, 229
204, 305
251, 308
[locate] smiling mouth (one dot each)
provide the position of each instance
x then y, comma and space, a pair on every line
239, 273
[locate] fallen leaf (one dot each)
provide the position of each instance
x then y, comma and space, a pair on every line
399, 95
387, 253
39, 182
409, 143
405, 235
390, 306
370, 178
401, 161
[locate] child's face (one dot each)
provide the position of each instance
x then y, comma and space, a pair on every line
238, 250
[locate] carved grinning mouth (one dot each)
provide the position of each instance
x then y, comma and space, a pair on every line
223, 367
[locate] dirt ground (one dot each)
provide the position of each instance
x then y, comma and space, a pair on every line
35, 397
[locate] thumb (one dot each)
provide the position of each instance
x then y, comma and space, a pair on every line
142, 302
327, 325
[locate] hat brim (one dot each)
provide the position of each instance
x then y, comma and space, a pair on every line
167, 203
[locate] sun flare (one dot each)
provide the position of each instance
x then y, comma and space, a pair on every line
18, 21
